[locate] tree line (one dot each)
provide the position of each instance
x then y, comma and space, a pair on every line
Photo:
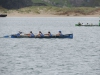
16, 4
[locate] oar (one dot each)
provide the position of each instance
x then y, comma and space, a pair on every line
7, 36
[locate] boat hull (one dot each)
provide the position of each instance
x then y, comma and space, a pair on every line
3, 15
26, 36
86, 25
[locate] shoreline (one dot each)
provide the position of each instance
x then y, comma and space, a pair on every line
47, 15
53, 12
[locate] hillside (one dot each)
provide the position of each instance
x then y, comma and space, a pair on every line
31, 8
16, 4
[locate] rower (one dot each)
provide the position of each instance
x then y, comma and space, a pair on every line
59, 34
31, 34
49, 34
40, 34
18, 34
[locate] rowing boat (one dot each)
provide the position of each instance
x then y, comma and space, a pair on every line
53, 36
86, 25
3, 15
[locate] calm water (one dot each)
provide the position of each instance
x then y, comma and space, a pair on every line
77, 56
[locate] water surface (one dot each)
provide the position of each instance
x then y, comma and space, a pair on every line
24, 56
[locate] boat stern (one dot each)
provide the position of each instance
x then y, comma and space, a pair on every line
13, 36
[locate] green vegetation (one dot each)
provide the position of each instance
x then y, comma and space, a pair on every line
77, 10
17, 4
37, 1
55, 10
3, 10
59, 3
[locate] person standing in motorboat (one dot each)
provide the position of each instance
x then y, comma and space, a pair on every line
79, 24
82, 23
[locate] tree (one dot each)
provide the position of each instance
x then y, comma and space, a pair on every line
15, 4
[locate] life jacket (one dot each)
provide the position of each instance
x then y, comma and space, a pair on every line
32, 35
50, 34
41, 35
61, 34
18, 34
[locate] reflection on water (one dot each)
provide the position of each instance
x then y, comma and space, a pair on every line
24, 56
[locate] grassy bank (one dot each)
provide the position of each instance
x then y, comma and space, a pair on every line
75, 11
3, 10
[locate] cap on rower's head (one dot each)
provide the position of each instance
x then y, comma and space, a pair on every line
30, 31
20, 32
39, 31
60, 31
